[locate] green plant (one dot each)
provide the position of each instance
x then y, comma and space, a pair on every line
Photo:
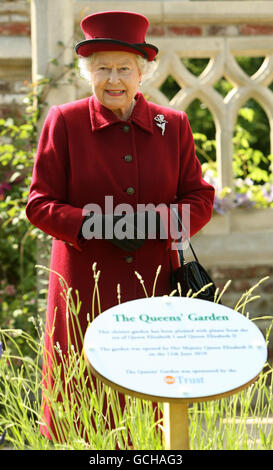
17, 250
241, 421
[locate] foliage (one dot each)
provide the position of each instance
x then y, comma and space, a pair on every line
237, 422
253, 183
17, 250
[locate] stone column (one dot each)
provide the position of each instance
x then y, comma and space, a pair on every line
52, 23
224, 143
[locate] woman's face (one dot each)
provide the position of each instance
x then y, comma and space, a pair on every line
115, 78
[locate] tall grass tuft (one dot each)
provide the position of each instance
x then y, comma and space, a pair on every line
83, 414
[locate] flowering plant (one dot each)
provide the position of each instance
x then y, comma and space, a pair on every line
246, 194
253, 180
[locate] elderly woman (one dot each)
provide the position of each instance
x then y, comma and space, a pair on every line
104, 151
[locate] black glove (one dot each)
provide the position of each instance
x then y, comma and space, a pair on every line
127, 232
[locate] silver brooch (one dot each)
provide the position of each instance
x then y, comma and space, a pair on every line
161, 122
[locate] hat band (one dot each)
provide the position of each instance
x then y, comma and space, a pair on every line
137, 47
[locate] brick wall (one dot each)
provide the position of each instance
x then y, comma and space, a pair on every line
243, 279
13, 90
14, 25
15, 72
171, 30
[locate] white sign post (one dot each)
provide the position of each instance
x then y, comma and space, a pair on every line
176, 350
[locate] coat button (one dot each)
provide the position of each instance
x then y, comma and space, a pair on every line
129, 259
126, 128
130, 191
128, 158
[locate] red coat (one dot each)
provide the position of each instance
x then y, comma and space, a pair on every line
80, 160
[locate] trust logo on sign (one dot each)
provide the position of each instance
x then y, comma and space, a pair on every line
169, 379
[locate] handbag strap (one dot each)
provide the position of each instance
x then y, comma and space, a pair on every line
180, 251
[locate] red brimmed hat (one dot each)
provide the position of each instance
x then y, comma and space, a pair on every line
115, 31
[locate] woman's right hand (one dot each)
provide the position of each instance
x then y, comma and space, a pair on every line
127, 232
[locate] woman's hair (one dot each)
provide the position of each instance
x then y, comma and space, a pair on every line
146, 68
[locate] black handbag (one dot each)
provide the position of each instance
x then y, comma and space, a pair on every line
191, 275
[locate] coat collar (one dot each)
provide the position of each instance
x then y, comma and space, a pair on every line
102, 117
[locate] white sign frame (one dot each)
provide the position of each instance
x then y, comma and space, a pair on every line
133, 312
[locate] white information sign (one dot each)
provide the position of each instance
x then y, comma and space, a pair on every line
173, 347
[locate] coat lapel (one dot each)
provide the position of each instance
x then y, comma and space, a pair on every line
101, 117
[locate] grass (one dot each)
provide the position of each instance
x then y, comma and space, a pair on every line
240, 422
